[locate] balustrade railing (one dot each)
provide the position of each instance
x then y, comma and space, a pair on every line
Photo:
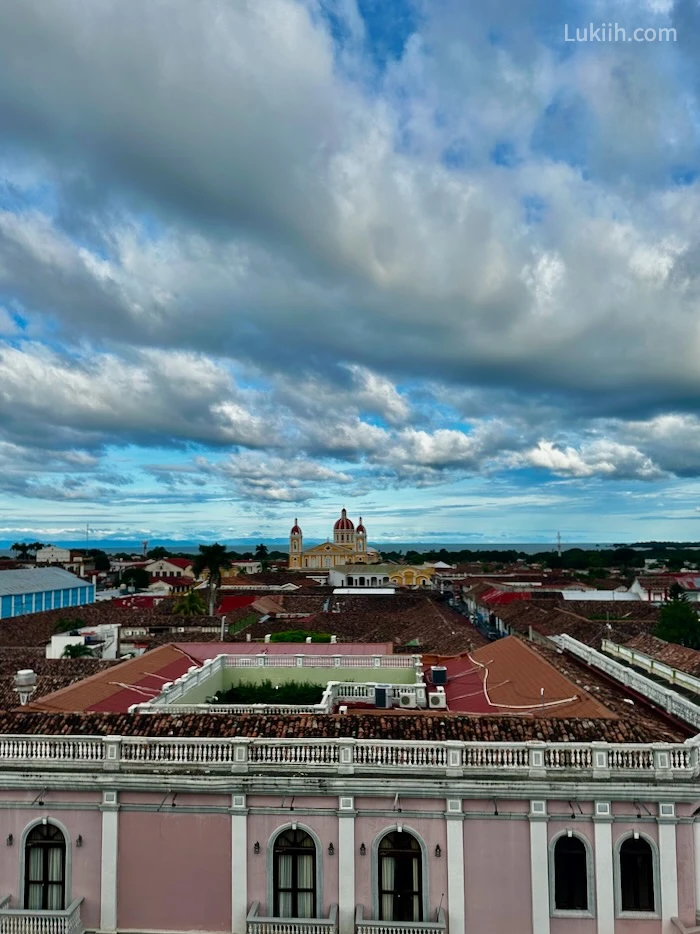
351, 756
666, 699
259, 925
27, 921
365, 926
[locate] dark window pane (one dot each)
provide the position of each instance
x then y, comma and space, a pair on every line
636, 875
570, 875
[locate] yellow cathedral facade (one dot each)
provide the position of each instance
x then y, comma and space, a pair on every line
349, 546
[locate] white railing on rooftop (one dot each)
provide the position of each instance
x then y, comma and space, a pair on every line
26, 921
259, 925
652, 665
352, 756
365, 926
172, 691
666, 699
300, 660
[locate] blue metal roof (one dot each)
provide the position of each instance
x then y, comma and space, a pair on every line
36, 580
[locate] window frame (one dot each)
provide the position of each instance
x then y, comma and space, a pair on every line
67, 863
272, 868
656, 876
424, 879
588, 912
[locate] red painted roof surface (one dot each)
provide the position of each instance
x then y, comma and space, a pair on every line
235, 601
116, 689
500, 597
506, 677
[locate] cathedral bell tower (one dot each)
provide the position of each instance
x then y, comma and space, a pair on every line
295, 545
361, 541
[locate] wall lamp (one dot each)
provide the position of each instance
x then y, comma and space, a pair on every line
331, 849
438, 851
256, 848
10, 839
79, 840
363, 849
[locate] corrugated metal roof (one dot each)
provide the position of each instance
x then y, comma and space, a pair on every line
35, 580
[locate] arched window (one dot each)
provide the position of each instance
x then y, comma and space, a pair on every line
400, 878
570, 875
636, 875
294, 875
45, 869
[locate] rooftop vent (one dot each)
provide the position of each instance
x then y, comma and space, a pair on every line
25, 684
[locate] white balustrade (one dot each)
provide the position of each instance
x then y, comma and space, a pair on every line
25, 921
652, 665
260, 925
138, 753
664, 698
438, 926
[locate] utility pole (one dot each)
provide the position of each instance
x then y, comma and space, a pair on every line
559, 544
87, 537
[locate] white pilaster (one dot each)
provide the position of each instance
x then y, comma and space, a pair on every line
346, 865
668, 874
239, 864
455, 866
110, 850
604, 874
539, 867
696, 841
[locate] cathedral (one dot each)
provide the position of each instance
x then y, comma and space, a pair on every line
349, 546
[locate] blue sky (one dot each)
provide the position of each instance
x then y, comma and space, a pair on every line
426, 260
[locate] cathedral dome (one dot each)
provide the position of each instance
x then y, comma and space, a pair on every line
361, 528
343, 524
295, 528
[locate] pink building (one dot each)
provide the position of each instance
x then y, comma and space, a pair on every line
535, 797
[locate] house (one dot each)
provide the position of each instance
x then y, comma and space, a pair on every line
33, 590
170, 567
509, 788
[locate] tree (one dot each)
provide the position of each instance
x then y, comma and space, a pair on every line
261, 552
22, 549
100, 559
34, 547
190, 604
212, 558
136, 576
157, 553
77, 651
678, 622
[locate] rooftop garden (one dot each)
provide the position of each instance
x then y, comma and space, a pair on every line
299, 635
293, 692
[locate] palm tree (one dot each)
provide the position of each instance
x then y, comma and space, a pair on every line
77, 651
190, 604
212, 558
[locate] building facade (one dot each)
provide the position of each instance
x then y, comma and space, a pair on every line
360, 837
33, 590
349, 546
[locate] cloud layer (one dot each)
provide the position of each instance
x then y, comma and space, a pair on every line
293, 252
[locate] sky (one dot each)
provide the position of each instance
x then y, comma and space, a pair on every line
429, 260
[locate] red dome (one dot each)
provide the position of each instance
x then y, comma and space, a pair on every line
360, 527
343, 524
295, 528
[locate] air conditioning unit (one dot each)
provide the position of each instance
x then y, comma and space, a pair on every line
437, 700
407, 699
